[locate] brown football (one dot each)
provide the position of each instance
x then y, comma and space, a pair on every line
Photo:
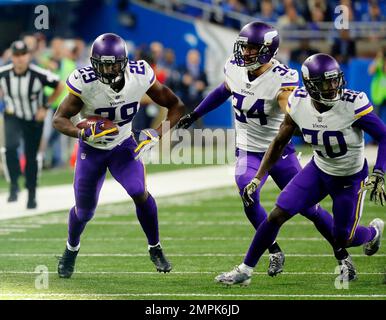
106, 124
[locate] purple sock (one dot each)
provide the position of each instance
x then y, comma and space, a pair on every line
75, 228
147, 216
264, 237
363, 235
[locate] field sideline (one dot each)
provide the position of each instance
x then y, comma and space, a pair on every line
203, 234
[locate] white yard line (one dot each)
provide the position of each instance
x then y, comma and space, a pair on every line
163, 239
56, 198
162, 184
181, 273
177, 223
204, 254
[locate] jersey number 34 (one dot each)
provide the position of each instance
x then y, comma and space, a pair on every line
256, 111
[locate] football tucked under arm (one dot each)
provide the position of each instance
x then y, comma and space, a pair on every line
96, 129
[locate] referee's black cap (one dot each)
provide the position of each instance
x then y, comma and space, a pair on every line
19, 47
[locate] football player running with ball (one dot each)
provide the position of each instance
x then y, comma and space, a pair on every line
112, 87
333, 120
260, 86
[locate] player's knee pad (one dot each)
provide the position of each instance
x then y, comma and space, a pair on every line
84, 215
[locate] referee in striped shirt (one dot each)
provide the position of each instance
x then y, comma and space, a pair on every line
25, 109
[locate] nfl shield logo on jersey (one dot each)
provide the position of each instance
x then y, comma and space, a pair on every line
248, 85
83, 155
320, 119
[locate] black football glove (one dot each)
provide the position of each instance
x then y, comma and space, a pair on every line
375, 185
187, 120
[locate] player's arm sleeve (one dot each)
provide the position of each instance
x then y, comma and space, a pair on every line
74, 83
376, 128
213, 100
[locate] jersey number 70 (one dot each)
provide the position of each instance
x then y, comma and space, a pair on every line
326, 137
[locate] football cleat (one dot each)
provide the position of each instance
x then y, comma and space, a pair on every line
158, 258
372, 246
347, 269
67, 263
276, 263
236, 276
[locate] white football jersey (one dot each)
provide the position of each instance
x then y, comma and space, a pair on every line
257, 112
338, 147
100, 100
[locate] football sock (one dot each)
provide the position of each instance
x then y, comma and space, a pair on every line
147, 216
75, 228
152, 246
264, 237
340, 253
71, 248
274, 248
363, 235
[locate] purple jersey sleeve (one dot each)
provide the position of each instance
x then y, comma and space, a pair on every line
376, 128
213, 100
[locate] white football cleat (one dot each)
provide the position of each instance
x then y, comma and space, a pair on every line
236, 276
372, 246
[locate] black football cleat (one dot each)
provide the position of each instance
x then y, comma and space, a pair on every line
161, 263
67, 263
276, 263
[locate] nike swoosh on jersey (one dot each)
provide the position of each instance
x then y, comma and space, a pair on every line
283, 157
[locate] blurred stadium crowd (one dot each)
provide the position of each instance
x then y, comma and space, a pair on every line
295, 14
189, 80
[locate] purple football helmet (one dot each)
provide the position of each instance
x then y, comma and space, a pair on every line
256, 45
323, 78
109, 58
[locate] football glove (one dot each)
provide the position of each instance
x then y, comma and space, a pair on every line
187, 120
376, 186
249, 190
148, 138
95, 134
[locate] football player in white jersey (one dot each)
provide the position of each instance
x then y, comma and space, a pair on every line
333, 120
260, 86
112, 87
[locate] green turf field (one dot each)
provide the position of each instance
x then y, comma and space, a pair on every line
203, 234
